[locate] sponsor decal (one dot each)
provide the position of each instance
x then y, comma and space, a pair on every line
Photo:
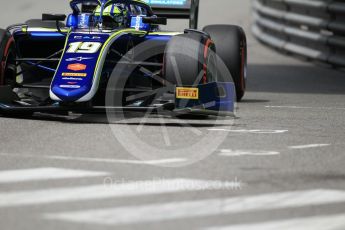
187, 93
72, 79
138, 23
78, 59
70, 86
76, 67
74, 74
87, 37
72, 83
92, 37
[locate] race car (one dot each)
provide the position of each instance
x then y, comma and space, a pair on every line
113, 54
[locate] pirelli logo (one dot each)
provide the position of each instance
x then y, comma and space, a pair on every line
74, 74
187, 93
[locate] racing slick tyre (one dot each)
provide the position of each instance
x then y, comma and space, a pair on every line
231, 45
8, 71
7, 59
190, 60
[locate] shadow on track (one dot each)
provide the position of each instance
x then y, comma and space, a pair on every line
302, 79
132, 119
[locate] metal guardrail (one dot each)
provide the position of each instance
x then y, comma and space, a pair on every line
312, 28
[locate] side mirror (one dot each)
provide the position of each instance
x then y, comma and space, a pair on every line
53, 17
155, 20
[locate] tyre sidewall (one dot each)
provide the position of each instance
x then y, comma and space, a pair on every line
230, 42
5, 49
188, 51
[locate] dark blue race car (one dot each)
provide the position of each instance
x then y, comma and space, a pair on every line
112, 54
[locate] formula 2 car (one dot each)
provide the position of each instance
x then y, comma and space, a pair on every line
116, 48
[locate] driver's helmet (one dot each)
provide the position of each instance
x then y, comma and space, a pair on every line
113, 16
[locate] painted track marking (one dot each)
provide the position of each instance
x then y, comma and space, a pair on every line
235, 153
332, 222
251, 131
38, 174
200, 208
304, 107
100, 160
308, 146
115, 190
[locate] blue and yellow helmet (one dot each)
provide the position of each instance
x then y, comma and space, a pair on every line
113, 15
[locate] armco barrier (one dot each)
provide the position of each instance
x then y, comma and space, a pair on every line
311, 28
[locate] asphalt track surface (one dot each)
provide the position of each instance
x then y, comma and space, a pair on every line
280, 164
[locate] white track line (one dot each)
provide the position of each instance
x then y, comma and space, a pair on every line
38, 174
100, 160
250, 131
308, 146
236, 153
309, 223
200, 208
304, 107
115, 190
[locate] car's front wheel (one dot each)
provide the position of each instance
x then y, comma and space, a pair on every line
190, 60
231, 45
7, 58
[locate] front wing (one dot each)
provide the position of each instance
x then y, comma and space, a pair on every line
213, 99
